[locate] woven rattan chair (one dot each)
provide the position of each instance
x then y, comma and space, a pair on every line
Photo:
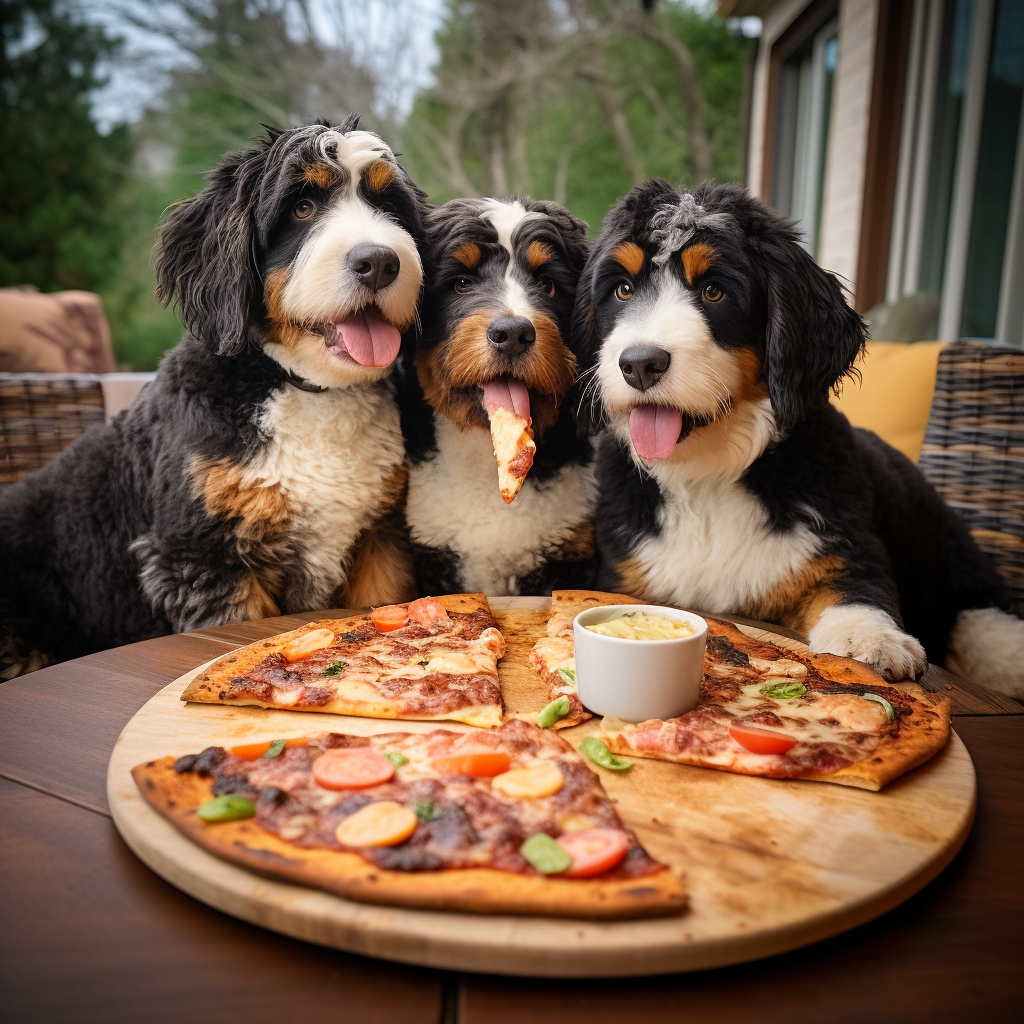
974, 448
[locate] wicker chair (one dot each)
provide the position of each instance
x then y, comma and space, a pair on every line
973, 449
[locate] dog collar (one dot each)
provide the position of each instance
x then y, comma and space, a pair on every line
302, 384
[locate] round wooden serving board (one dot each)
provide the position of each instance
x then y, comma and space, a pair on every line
769, 865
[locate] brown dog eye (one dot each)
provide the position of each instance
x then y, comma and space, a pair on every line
548, 285
304, 209
624, 291
712, 292
462, 285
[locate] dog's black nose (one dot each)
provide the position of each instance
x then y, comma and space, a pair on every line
643, 366
511, 334
376, 266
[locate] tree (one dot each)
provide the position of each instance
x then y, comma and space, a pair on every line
60, 176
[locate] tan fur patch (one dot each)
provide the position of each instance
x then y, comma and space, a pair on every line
697, 260
320, 175
580, 543
799, 601
251, 600
754, 386
632, 579
379, 175
261, 512
630, 256
468, 254
537, 254
382, 570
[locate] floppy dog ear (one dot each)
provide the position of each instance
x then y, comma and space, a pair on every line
205, 262
812, 336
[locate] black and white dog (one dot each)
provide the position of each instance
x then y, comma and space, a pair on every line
497, 309
728, 482
264, 469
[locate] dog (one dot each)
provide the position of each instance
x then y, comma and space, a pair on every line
263, 470
497, 309
726, 479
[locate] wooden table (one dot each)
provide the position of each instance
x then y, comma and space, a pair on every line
89, 933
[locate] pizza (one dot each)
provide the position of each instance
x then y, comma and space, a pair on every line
435, 658
514, 449
769, 711
506, 820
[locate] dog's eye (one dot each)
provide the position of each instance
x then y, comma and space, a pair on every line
711, 292
624, 291
304, 209
548, 285
462, 285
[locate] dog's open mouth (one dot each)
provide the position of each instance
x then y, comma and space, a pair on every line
365, 337
507, 393
655, 430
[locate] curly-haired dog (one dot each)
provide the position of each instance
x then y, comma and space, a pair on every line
263, 470
497, 308
726, 479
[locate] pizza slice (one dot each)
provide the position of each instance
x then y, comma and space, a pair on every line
432, 659
772, 712
503, 821
514, 449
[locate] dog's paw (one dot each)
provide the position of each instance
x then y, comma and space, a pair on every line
870, 635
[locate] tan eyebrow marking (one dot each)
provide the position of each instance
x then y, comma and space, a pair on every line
320, 175
697, 260
468, 254
631, 256
379, 175
537, 254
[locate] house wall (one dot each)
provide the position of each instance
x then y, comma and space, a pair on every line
845, 167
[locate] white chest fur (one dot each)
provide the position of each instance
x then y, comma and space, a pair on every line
330, 454
715, 550
454, 503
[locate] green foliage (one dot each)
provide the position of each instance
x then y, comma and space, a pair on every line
58, 222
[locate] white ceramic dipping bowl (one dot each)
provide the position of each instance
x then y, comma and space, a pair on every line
638, 679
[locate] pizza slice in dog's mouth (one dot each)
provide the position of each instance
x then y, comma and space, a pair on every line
364, 337
655, 430
507, 403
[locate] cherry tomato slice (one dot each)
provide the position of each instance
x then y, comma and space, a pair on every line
428, 611
761, 741
254, 751
480, 766
389, 617
352, 768
593, 850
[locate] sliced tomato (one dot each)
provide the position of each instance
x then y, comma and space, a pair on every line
389, 617
308, 643
593, 850
428, 611
761, 741
254, 751
483, 765
352, 768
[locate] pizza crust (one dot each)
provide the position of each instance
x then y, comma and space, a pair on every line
477, 890
208, 686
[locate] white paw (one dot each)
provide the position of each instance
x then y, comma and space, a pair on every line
989, 646
871, 635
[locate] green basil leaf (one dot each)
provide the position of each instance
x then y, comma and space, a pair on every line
554, 711
226, 808
890, 713
597, 751
274, 750
428, 811
396, 758
545, 854
789, 690
569, 675
335, 668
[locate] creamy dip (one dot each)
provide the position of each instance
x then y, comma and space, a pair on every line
642, 626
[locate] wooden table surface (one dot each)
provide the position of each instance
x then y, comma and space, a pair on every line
90, 934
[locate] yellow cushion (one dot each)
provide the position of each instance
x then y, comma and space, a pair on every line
895, 393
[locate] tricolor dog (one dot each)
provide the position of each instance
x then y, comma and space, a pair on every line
726, 479
497, 308
263, 471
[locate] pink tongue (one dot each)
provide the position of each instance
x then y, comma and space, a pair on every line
369, 339
655, 430
508, 393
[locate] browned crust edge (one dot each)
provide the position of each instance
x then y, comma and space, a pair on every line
476, 890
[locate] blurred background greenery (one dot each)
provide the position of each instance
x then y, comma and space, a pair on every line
113, 109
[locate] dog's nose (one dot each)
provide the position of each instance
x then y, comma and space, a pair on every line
643, 366
511, 334
376, 266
